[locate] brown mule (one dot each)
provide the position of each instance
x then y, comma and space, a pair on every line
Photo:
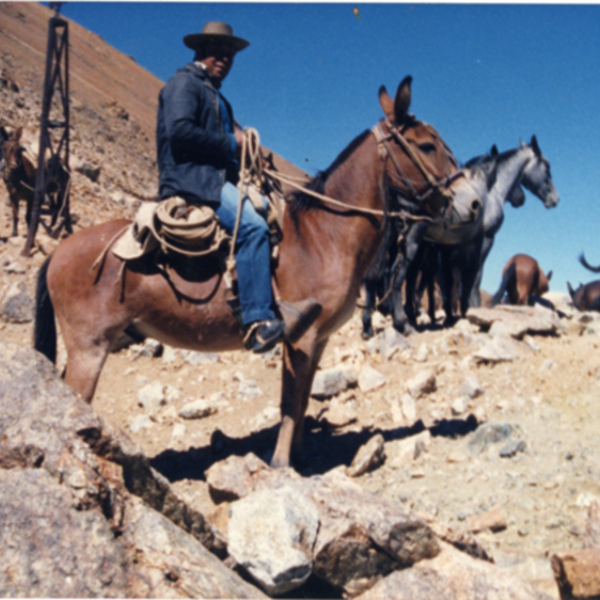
522, 278
18, 174
586, 297
324, 254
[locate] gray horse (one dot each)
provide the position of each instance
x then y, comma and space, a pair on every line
466, 243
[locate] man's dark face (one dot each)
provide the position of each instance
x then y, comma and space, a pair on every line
218, 60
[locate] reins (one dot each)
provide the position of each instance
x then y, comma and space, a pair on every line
253, 171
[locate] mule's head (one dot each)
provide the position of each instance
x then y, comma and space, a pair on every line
536, 176
11, 148
14, 157
422, 165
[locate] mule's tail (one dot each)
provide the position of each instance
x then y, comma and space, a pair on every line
510, 272
44, 333
587, 265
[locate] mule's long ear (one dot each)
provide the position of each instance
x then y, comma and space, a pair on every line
387, 104
494, 150
403, 97
549, 275
571, 292
535, 146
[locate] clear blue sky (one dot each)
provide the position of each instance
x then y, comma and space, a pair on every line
483, 74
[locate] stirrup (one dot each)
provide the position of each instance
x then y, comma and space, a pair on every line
255, 341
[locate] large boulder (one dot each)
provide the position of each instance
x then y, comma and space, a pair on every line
83, 514
450, 575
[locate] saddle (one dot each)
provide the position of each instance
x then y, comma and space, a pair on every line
172, 226
175, 227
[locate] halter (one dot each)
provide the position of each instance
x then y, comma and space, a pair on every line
442, 187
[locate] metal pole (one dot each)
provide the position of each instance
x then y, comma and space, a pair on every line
55, 54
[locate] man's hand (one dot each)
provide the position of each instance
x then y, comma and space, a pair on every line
239, 137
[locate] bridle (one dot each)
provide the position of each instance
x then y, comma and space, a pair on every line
402, 186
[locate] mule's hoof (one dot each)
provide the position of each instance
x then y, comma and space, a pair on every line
367, 334
404, 328
450, 322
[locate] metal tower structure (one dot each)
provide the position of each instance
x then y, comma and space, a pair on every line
51, 197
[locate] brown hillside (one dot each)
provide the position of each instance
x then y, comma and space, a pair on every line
99, 74
112, 148
113, 104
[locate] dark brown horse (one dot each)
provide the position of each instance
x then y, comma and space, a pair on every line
18, 173
325, 252
586, 297
522, 279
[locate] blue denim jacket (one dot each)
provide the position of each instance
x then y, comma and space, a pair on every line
196, 155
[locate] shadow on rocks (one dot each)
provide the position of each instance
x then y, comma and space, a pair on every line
324, 448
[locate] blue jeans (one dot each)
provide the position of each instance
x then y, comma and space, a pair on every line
252, 255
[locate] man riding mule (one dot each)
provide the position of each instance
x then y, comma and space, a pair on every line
198, 145
331, 231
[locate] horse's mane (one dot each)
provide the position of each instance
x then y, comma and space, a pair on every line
299, 200
488, 164
485, 159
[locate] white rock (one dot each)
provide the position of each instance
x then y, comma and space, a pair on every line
409, 408
178, 433
269, 415
585, 499
198, 409
274, 545
172, 394
169, 354
249, 389
329, 382
370, 379
421, 384
139, 423
460, 405
403, 452
152, 396
422, 353
200, 358
369, 456
471, 387
499, 349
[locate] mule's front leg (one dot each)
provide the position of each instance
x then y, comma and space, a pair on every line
15, 218
406, 256
299, 366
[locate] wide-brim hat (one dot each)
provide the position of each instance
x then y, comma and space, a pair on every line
215, 31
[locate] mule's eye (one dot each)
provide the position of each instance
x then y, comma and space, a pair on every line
427, 148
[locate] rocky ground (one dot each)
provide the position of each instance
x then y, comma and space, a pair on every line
527, 483
497, 439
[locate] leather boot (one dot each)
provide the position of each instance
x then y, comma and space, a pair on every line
298, 317
262, 336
